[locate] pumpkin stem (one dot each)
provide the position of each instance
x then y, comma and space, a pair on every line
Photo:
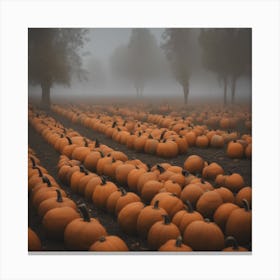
123, 191
231, 241
86, 142
69, 140
101, 153
185, 172
84, 212
156, 204
162, 135
59, 196
189, 205
207, 220
114, 124
39, 171
46, 180
150, 136
33, 162
97, 143
83, 170
103, 179
179, 241
246, 204
102, 239
160, 168
166, 219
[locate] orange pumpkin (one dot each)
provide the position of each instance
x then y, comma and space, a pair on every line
147, 217
204, 236
162, 231
175, 245
109, 243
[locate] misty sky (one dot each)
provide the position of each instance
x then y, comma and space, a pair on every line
102, 43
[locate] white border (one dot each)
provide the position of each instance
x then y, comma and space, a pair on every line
17, 16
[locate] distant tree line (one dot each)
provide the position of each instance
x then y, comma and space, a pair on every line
54, 57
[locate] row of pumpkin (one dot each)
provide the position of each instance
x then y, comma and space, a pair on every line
164, 142
172, 117
221, 196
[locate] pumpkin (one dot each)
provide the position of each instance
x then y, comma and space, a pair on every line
167, 149
202, 141
84, 181
220, 179
76, 177
162, 231
102, 192
234, 182
44, 194
34, 242
147, 217
212, 171
150, 189
226, 194
125, 199
127, 218
169, 202
222, 213
90, 187
91, 160
244, 193
190, 137
109, 243
56, 219
217, 141
248, 151
239, 224
232, 245
54, 202
145, 177
80, 153
87, 229
112, 200
184, 217
208, 203
194, 164
204, 236
122, 172
133, 177
110, 168
235, 149
151, 145
175, 245
192, 192
172, 187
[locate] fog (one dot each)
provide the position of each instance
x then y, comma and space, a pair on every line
101, 82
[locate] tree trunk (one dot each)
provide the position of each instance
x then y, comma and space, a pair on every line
225, 90
45, 100
186, 92
233, 84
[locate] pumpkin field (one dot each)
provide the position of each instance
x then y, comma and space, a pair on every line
135, 176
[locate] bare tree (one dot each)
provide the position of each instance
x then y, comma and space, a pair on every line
53, 57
